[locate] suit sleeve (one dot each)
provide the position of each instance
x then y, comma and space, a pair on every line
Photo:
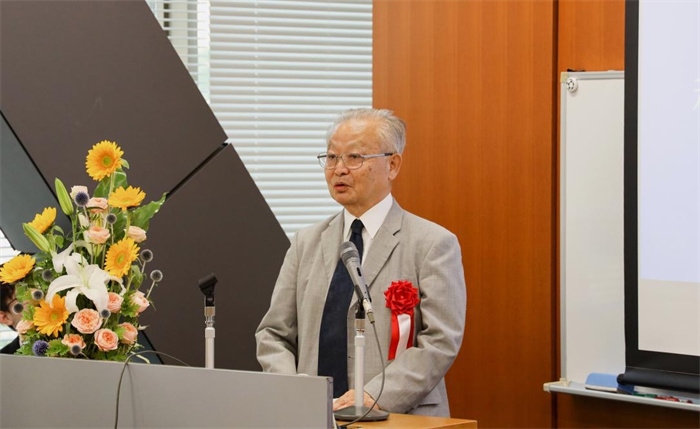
412, 376
276, 336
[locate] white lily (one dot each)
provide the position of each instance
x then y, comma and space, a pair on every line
59, 259
80, 278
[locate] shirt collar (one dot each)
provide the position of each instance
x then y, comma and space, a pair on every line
372, 219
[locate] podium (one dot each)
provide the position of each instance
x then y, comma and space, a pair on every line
407, 421
56, 392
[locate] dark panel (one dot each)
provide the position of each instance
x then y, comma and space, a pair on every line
23, 192
77, 72
73, 73
216, 222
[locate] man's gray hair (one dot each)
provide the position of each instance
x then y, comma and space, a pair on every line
391, 130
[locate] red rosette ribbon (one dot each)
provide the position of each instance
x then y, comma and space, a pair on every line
401, 299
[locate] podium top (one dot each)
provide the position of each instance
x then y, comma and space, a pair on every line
406, 421
83, 393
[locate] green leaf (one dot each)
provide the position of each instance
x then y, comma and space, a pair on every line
63, 197
119, 227
120, 179
26, 349
129, 308
57, 348
102, 189
141, 216
136, 276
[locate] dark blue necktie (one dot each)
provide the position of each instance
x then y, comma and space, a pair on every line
333, 338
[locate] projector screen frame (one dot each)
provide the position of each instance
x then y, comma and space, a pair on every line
649, 368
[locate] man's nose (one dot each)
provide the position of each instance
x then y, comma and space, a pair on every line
341, 164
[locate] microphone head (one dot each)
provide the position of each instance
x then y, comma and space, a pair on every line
348, 251
207, 284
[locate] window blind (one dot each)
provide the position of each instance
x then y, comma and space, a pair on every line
275, 74
6, 250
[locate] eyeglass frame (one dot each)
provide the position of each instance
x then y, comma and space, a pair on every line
323, 159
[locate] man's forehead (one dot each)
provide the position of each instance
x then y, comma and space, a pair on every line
354, 133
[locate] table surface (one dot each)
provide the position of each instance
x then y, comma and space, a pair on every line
407, 421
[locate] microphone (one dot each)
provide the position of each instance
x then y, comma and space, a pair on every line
207, 285
351, 259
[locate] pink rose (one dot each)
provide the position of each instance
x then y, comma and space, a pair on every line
71, 339
97, 205
23, 326
86, 321
401, 297
115, 302
137, 234
106, 340
129, 334
97, 235
140, 299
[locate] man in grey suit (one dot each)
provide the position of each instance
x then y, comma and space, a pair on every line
403, 255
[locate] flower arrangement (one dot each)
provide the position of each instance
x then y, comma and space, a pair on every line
402, 299
82, 291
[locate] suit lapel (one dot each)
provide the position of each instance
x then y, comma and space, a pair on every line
383, 245
330, 239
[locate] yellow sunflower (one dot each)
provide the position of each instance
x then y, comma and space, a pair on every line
125, 198
16, 268
103, 159
120, 256
49, 318
43, 221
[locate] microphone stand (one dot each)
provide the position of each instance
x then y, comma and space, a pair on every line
209, 335
206, 285
359, 412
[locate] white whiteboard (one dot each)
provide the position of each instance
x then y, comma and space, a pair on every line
591, 227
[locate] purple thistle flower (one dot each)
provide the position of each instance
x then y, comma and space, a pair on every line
75, 350
146, 255
17, 308
37, 294
81, 199
156, 275
39, 348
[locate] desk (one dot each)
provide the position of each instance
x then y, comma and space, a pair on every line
407, 421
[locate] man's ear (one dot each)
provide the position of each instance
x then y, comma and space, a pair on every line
395, 165
6, 318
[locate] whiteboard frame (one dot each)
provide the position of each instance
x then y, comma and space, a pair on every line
591, 225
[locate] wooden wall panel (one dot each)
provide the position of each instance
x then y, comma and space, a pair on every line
591, 35
584, 412
474, 81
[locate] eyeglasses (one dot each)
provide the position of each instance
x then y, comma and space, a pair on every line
352, 161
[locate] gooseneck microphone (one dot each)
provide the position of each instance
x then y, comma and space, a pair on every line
351, 259
359, 412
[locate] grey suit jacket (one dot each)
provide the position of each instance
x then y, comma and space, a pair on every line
406, 247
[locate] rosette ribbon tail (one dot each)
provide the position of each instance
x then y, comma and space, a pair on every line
401, 334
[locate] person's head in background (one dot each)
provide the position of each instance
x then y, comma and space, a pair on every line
10, 308
363, 157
